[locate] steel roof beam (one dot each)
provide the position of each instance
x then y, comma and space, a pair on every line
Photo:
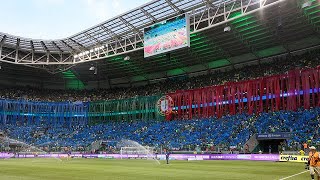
32, 50
17, 50
44, 46
173, 6
3, 40
80, 45
131, 26
68, 46
209, 4
93, 38
146, 13
112, 34
55, 44
32, 46
47, 51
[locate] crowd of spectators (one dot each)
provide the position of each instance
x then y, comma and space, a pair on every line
278, 65
179, 135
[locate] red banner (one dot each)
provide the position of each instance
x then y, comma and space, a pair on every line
281, 92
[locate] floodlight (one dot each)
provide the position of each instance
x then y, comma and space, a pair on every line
227, 29
127, 58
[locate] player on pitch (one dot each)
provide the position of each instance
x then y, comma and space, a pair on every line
314, 161
69, 154
167, 153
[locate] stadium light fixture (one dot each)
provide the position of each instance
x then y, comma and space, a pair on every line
127, 58
227, 29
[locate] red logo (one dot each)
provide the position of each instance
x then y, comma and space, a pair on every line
165, 105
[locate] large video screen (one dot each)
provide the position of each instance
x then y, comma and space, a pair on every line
167, 35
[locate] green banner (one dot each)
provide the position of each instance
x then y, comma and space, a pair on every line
137, 108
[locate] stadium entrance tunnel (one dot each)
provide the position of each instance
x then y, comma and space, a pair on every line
271, 146
272, 142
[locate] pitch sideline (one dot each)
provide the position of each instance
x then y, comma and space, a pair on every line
294, 175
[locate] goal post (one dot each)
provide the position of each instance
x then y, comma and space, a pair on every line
141, 152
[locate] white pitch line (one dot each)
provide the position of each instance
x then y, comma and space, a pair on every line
294, 175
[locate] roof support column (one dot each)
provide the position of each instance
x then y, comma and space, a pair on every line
17, 51
1, 45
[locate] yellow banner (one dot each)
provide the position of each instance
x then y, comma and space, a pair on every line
293, 158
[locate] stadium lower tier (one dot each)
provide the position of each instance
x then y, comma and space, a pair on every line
232, 130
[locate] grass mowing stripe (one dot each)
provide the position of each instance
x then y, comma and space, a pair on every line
294, 175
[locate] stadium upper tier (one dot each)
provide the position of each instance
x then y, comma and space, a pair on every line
259, 28
279, 65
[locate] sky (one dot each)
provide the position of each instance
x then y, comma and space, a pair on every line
57, 19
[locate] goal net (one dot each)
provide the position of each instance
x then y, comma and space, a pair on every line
143, 152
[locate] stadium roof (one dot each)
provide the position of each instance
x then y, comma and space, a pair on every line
259, 28
119, 27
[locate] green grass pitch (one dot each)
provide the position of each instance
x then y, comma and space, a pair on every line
96, 169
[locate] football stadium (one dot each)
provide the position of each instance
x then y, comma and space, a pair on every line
171, 89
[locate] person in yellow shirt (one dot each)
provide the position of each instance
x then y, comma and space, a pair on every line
301, 152
314, 162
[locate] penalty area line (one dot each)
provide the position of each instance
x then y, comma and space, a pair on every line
294, 175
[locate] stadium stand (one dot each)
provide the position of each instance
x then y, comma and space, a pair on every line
219, 133
277, 65
179, 135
